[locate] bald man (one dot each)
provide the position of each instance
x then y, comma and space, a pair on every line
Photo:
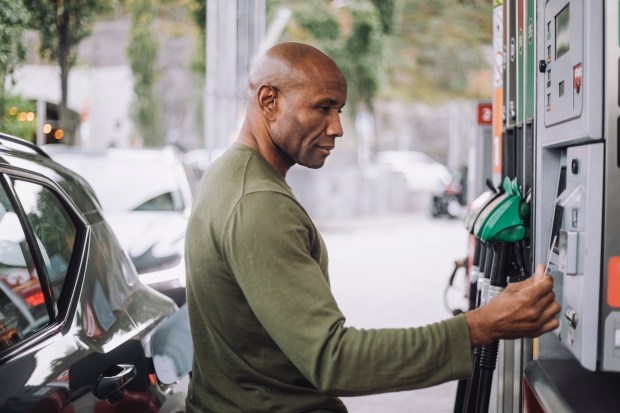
268, 335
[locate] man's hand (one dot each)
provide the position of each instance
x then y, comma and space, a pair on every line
523, 309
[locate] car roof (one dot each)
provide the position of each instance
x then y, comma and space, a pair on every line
27, 157
168, 154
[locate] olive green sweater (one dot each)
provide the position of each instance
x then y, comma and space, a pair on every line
268, 335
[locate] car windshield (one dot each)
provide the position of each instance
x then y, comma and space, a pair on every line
127, 183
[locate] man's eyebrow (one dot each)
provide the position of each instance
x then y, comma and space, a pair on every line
330, 101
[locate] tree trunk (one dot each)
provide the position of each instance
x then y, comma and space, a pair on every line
64, 50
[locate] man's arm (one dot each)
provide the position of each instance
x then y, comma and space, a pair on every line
523, 309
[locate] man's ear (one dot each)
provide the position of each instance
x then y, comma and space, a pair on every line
267, 101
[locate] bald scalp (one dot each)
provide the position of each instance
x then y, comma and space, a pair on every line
290, 64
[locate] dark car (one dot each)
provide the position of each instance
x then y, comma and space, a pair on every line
146, 196
79, 332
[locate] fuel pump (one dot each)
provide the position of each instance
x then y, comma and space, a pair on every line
477, 267
505, 228
557, 88
478, 212
499, 227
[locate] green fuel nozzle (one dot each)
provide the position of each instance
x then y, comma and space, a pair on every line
505, 221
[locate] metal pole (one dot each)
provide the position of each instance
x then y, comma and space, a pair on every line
211, 52
235, 29
41, 115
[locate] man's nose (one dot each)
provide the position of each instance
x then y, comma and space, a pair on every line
335, 127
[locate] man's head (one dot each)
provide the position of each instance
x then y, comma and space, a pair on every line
297, 93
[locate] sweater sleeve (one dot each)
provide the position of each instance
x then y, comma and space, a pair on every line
267, 244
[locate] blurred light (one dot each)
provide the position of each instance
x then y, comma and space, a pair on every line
22, 116
30, 116
47, 128
12, 111
58, 134
35, 299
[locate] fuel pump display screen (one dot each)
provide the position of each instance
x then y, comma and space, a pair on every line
562, 33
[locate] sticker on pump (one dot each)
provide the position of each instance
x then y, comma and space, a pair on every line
577, 77
613, 282
485, 114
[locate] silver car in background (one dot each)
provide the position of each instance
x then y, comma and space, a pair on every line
146, 196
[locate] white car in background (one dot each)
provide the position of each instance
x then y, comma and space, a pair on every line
422, 173
146, 196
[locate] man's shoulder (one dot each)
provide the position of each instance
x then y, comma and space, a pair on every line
241, 171
257, 175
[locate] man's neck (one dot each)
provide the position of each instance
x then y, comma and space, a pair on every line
266, 149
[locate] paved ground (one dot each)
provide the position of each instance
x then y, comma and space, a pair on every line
391, 272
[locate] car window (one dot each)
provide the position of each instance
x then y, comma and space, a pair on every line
163, 202
53, 227
22, 303
23, 309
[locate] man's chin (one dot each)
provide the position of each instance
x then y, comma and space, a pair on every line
314, 165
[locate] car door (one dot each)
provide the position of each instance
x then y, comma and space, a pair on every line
67, 343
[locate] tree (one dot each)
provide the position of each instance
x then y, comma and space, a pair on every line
199, 14
397, 49
439, 44
142, 52
355, 36
13, 22
62, 24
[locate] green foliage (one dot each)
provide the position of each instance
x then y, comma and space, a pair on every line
320, 22
62, 25
16, 108
13, 22
438, 46
362, 53
142, 52
199, 14
354, 36
404, 49
387, 13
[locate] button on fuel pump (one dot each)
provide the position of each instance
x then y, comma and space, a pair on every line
571, 317
542, 66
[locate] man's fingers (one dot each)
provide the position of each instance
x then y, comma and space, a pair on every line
539, 274
541, 287
535, 278
550, 325
545, 301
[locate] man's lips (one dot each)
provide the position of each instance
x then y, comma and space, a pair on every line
326, 148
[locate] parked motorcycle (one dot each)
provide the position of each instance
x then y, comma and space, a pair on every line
449, 199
